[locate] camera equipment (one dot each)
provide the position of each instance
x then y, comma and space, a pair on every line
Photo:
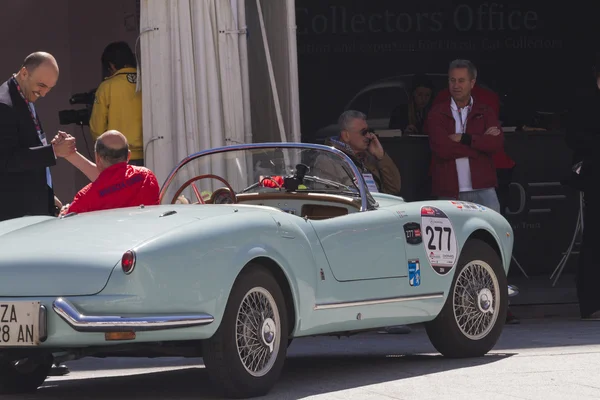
80, 116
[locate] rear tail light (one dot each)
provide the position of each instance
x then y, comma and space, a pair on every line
128, 261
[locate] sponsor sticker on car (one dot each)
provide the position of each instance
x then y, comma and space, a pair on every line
466, 206
412, 232
439, 239
414, 272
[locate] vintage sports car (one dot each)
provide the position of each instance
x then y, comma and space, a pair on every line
253, 245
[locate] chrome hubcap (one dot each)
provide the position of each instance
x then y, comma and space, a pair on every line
269, 330
257, 331
486, 301
475, 300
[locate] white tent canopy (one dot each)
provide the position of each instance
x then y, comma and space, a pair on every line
214, 73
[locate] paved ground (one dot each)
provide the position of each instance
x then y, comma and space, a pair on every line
548, 359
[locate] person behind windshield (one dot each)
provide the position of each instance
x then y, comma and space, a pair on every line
365, 150
411, 117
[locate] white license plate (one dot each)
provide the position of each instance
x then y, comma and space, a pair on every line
19, 323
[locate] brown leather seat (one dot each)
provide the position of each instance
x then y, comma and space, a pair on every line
317, 211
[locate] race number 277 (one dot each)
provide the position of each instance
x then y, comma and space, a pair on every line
438, 233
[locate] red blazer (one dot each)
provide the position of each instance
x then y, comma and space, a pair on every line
486, 96
440, 125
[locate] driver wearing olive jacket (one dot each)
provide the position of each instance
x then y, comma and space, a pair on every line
365, 150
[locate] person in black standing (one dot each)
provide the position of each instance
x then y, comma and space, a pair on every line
583, 137
25, 153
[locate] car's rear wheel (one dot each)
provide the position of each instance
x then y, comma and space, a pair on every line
473, 316
23, 376
244, 358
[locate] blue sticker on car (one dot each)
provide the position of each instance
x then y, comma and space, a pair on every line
414, 272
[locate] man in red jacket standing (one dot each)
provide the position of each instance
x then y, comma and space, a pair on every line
503, 163
465, 157
118, 184
464, 134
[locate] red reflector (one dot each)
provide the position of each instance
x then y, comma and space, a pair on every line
128, 261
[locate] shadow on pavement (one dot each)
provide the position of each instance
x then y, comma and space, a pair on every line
322, 365
302, 377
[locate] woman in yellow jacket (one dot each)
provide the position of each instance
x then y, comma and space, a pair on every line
117, 105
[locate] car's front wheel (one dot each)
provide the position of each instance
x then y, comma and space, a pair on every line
473, 316
244, 358
22, 376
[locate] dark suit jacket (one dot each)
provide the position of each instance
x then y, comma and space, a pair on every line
23, 160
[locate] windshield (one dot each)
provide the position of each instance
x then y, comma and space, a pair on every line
210, 177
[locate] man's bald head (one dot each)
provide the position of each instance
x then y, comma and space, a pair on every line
38, 75
38, 59
111, 148
113, 139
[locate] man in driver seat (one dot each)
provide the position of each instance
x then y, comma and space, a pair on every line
365, 150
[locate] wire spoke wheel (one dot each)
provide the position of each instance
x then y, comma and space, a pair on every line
258, 332
475, 300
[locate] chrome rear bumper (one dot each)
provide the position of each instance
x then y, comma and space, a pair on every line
97, 323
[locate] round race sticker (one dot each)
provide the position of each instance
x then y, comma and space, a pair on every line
439, 239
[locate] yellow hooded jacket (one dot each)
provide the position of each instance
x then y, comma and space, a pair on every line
118, 106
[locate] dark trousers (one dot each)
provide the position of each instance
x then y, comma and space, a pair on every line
503, 189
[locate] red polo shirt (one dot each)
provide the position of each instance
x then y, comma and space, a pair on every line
118, 186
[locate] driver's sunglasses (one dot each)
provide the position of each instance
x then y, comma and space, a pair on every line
364, 131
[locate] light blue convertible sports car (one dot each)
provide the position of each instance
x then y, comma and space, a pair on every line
252, 246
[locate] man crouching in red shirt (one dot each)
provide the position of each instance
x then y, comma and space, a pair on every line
118, 184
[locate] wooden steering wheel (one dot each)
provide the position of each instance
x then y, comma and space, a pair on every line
197, 192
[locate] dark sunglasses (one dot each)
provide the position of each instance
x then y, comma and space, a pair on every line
367, 130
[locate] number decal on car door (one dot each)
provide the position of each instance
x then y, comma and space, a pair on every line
439, 233
440, 240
